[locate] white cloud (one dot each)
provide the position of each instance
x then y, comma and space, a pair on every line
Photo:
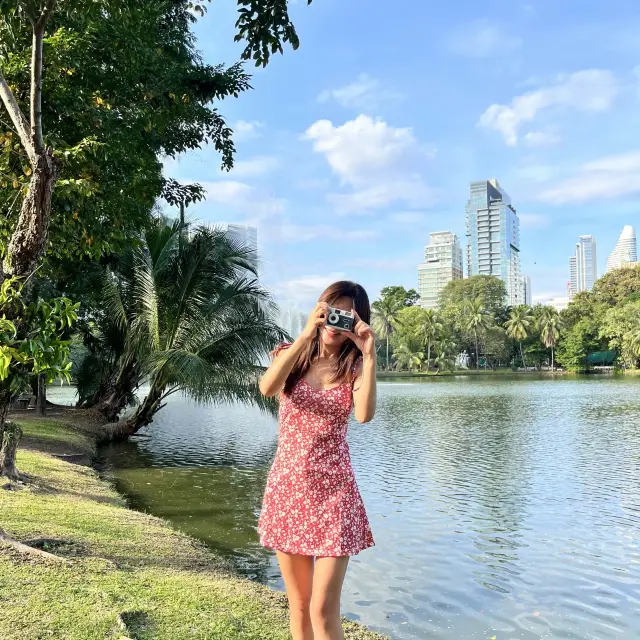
253, 167
375, 160
248, 200
533, 220
365, 94
589, 90
541, 139
481, 39
244, 130
609, 177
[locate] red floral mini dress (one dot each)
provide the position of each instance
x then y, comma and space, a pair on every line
312, 505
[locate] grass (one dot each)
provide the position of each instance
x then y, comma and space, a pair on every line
123, 566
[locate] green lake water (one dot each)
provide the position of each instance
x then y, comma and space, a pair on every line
506, 507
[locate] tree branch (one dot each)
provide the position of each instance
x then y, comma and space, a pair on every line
17, 117
36, 76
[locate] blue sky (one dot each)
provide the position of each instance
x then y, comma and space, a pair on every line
354, 148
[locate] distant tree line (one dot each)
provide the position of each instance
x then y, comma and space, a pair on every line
600, 326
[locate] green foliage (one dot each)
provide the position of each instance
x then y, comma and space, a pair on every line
33, 344
491, 289
186, 312
617, 286
123, 88
576, 342
621, 327
399, 296
409, 354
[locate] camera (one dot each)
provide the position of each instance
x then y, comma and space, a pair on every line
343, 320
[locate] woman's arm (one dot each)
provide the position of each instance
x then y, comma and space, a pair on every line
364, 386
364, 390
274, 379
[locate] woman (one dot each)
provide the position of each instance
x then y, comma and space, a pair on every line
313, 515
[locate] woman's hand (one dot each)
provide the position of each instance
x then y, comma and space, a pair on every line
317, 320
363, 337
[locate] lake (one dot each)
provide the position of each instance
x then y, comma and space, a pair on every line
506, 507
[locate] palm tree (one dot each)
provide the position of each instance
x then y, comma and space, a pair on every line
193, 319
429, 328
475, 318
385, 319
446, 348
518, 325
409, 354
550, 326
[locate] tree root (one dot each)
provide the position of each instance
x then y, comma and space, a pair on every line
23, 548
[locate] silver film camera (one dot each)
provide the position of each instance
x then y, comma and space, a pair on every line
343, 320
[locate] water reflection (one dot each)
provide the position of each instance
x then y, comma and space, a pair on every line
502, 507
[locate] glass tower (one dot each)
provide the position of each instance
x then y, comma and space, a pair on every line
493, 238
442, 263
584, 265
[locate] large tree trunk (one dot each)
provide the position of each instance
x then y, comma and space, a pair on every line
553, 364
10, 438
429, 356
142, 417
41, 396
30, 237
387, 351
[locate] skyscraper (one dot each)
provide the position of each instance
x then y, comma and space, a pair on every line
493, 237
625, 251
583, 266
442, 263
527, 294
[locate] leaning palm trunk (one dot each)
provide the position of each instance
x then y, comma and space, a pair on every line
524, 362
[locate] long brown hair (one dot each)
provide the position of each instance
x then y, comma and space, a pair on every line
349, 353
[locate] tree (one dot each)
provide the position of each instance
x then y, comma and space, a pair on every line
429, 328
518, 326
476, 319
491, 289
119, 86
617, 286
575, 344
621, 327
550, 324
446, 349
409, 354
32, 347
194, 320
401, 296
386, 319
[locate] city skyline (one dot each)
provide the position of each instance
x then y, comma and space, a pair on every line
350, 179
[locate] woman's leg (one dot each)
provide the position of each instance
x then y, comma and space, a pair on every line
328, 577
297, 572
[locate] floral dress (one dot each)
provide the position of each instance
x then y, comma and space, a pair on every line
312, 505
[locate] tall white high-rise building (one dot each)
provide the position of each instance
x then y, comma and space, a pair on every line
442, 263
626, 250
526, 288
493, 238
583, 266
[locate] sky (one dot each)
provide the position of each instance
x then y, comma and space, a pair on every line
355, 147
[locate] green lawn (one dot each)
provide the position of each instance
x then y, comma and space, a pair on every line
123, 565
